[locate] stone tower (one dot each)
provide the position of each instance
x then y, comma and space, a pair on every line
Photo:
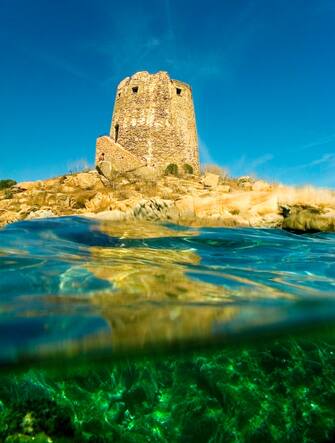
153, 125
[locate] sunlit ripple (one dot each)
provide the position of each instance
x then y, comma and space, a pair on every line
74, 285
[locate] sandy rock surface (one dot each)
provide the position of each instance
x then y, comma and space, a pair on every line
209, 200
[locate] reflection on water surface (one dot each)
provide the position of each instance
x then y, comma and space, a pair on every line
71, 285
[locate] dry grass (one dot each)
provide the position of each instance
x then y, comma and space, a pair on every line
81, 197
169, 195
215, 169
306, 195
147, 188
122, 194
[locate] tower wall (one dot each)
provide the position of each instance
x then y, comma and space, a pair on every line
154, 119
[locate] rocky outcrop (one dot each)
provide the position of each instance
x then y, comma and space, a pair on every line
40, 213
301, 219
154, 209
187, 200
211, 180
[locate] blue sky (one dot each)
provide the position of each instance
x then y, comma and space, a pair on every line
262, 73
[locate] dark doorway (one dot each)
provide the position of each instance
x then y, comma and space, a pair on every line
178, 91
116, 132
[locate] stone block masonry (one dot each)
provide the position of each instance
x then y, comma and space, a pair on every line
154, 121
120, 159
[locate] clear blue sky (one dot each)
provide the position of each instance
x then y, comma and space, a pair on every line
262, 73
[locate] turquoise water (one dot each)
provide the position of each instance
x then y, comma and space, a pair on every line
116, 332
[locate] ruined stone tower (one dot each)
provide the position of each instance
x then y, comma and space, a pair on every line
153, 125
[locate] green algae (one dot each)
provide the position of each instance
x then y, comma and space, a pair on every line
281, 392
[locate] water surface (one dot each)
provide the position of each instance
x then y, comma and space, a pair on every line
73, 287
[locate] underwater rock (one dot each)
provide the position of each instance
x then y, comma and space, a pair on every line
267, 393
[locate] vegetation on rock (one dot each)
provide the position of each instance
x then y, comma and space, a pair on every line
187, 169
172, 169
209, 200
8, 194
278, 392
7, 183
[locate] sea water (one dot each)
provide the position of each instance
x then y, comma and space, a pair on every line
163, 333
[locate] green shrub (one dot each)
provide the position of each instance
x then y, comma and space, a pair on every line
172, 169
188, 169
7, 183
8, 194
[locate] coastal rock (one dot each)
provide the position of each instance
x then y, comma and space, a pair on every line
261, 185
153, 209
28, 185
211, 180
100, 202
272, 221
185, 207
224, 188
204, 207
113, 215
36, 197
25, 209
309, 220
41, 213
9, 217
266, 204
245, 185
83, 180
178, 199
89, 180
53, 183
63, 201
67, 189
106, 168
